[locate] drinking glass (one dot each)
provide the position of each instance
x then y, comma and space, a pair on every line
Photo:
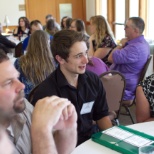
149, 149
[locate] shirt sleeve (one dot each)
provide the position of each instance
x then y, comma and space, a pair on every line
7, 42
126, 55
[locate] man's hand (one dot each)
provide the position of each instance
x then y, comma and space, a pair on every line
48, 111
68, 118
123, 41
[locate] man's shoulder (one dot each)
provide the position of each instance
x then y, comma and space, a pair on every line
91, 77
46, 88
49, 80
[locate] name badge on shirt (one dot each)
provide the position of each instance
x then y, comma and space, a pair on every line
86, 108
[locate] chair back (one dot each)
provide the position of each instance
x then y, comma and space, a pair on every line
18, 50
114, 85
31, 94
127, 104
145, 68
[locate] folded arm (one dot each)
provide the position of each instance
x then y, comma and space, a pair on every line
53, 114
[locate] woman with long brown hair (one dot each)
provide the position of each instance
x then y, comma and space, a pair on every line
37, 64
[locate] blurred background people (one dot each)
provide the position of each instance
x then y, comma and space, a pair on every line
37, 63
101, 39
23, 29
51, 28
34, 25
79, 26
68, 23
48, 17
63, 22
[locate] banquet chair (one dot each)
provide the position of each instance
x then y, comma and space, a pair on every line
18, 50
129, 103
114, 85
31, 94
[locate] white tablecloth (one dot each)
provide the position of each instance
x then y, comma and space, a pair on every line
90, 147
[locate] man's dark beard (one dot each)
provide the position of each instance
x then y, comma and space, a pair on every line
17, 109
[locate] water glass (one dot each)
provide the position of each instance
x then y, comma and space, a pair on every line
149, 149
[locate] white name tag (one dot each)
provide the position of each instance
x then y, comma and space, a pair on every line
86, 108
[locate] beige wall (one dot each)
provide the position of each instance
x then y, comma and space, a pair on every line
11, 9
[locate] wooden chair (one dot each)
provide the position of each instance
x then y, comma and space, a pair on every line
114, 85
31, 94
129, 103
18, 50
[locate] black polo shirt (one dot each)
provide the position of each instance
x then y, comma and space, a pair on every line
89, 89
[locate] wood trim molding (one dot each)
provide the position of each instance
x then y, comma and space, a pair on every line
111, 14
143, 12
97, 7
84, 10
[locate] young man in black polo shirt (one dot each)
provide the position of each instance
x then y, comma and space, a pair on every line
70, 80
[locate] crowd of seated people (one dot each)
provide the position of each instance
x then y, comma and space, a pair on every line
76, 52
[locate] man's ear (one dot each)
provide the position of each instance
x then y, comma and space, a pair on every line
59, 59
136, 30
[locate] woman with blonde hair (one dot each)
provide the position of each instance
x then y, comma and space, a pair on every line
102, 39
37, 64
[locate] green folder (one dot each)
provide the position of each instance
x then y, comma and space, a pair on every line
123, 139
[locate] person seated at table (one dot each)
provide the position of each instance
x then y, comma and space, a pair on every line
68, 23
23, 30
51, 28
34, 25
37, 63
63, 22
5, 44
96, 65
102, 39
48, 17
79, 26
130, 56
71, 80
145, 100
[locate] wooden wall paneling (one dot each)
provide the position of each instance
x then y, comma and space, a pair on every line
78, 8
111, 14
143, 12
38, 9
57, 7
